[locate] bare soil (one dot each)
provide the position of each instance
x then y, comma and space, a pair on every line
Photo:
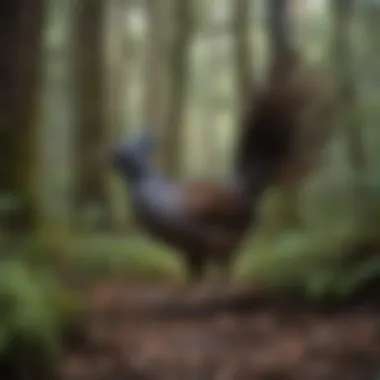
155, 332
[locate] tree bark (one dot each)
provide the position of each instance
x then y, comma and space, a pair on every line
117, 69
241, 29
208, 122
371, 20
281, 43
54, 166
117, 102
157, 73
342, 11
21, 28
90, 55
279, 30
178, 65
8, 27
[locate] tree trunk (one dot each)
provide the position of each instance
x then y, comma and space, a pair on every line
241, 29
279, 30
280, 41
178, 64
21, 27
116, 69
117, 102
27, 61
90, 55
8, 27
56, 122
209, 123
371, 19
342, 11
157, 73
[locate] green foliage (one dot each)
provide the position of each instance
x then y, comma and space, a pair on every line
34, 310
317, 262
26, 310
340, 283
8, 203
132, 256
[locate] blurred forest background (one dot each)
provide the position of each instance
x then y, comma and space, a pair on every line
79, 75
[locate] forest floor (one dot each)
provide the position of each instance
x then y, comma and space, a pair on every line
158, 332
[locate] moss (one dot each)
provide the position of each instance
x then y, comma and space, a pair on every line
133, 256
34, 310
333, 264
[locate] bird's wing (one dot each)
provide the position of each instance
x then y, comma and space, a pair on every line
215, 203
285, 132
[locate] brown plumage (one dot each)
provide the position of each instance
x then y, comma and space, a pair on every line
207, 221
285, 126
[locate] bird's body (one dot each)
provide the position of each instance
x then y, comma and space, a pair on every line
164, 206
207, 220
182, 214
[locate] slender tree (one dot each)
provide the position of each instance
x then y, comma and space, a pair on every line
342, 11
8, 27
182, 19
56, 121
208, 112
241, 30
371, 20
90, 70
117, 99
117, 47
281, 43
211, 31
279, 29
21, 29
157, 73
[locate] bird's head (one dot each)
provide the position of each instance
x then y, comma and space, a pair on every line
132, 156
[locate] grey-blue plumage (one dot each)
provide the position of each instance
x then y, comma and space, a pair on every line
180, 214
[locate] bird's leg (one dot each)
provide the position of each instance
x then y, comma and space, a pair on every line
196, 266
224, 271
220, 262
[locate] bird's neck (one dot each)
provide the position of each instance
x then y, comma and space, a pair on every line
251, 185
141, 173
135, 173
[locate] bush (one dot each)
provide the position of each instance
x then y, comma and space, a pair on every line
34, 310
329, 264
